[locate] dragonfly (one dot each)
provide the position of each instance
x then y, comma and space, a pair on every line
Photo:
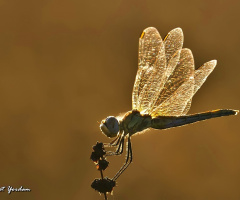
165, 84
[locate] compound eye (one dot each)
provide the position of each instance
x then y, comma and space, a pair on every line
110, 126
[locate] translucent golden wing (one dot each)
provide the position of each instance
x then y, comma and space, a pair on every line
166, 81
200, 76
151, 49
152, 76
178, 89
153, 81
173, 43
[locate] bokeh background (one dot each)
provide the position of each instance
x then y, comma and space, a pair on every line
66, 65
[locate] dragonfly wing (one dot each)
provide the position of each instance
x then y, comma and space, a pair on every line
151, 49
154, 81
178, 89
173, 42
187, 108
200, 76
154, 76
202, 73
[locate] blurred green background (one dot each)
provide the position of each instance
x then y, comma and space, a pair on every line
66, 65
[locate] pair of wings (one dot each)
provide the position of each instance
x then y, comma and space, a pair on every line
166, 79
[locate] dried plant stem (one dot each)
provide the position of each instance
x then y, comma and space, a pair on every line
105, 195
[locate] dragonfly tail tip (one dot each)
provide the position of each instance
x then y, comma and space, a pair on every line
236, 112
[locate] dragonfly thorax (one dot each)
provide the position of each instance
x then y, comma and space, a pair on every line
110, 126
134, 122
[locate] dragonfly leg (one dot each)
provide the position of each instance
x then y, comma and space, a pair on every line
128, 160
119, 148
114, 142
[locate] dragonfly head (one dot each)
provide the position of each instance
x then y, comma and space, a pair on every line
110, 126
